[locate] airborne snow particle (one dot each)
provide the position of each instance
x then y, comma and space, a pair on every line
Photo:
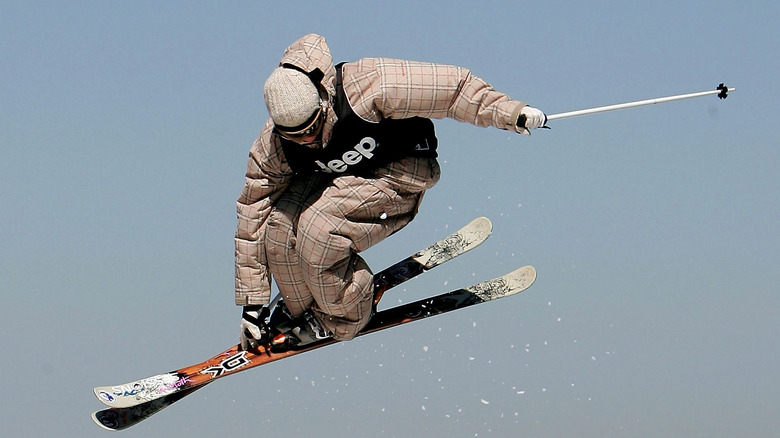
485, 402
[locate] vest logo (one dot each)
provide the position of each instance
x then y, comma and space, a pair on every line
364, 149
422, 147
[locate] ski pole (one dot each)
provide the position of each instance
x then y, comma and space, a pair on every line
722, 91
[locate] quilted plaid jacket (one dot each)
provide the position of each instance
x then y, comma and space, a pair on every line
376, 88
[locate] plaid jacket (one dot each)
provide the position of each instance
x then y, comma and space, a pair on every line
376, 88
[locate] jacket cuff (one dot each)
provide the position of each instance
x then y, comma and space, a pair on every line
516, 115
257, 293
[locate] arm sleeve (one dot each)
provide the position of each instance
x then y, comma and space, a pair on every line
267, 176
385, 87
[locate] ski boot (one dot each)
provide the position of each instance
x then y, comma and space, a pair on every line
294, 331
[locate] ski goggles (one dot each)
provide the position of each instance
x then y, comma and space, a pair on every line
308, 128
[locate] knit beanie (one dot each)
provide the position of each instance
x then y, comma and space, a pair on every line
290, 96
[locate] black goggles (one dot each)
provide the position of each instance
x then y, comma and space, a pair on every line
306, 129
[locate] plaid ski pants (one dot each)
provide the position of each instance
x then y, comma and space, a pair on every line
319, 225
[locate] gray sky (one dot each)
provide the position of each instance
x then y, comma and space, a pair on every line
124, 132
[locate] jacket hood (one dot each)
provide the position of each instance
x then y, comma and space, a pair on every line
311, 55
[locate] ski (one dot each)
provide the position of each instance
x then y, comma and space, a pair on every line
234, 360
151, 388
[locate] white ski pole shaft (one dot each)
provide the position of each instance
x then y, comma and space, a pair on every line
722, 92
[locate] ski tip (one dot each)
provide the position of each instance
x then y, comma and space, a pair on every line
107, 420
465, 239
139, 391
481, 225
518, 280
474, 233
508, 284
104, 394
522, 278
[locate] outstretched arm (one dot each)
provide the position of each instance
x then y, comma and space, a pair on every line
395, 88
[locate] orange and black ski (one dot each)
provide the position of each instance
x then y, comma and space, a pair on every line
134, 401
234, 360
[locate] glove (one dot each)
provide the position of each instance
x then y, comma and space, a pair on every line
530, 118
254, 329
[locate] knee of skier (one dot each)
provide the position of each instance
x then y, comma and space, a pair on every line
342, 293
348, 325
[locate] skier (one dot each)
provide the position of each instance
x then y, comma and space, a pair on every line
342, 164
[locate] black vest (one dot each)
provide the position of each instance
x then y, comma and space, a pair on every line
358, 147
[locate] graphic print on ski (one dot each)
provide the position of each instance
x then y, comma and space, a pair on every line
151, 388
509, 284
